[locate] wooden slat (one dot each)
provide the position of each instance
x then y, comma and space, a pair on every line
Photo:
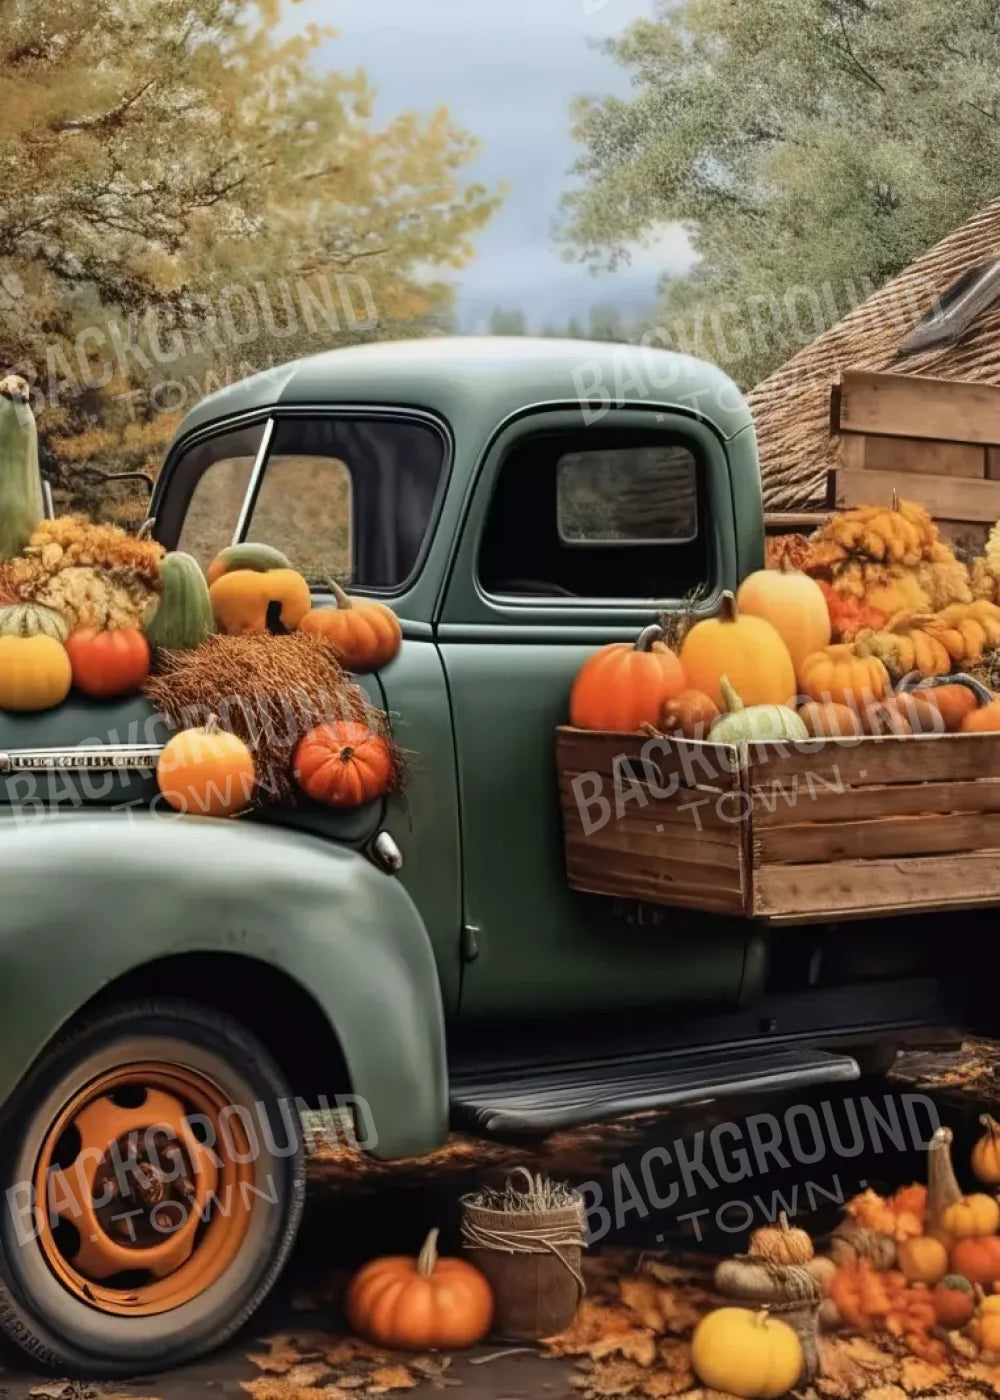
866, 803
777, 520
911, 406
692, 763
709, 816
660, 885
869, 886
923, 457
993, 464
931, 834
818, 763
946, 497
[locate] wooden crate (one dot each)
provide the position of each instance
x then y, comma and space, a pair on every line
787, 833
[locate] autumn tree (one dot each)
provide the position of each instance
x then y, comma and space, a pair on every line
188, 196
813, 148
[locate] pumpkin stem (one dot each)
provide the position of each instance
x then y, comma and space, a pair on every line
990, 1124
895, 499
145, 530
762, 1315
343, 600
732, 700
728, 611
346, 753
212, 724
428, 1255
648, 637
783, 1222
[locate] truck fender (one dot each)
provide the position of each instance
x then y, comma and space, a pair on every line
84, 900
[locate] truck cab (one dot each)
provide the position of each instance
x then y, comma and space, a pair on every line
518, 503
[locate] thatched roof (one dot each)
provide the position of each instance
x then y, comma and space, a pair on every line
792, 407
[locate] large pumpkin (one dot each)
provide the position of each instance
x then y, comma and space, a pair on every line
183, 616
747, 649
836, 673
746, 1353
365, 634
251, 600
108, 663
793, 603
35, 673
625, 685
206, 772
21, 507
343, 764
422, 1304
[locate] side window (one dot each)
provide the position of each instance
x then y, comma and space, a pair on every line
595, 515
207, 487
351, 498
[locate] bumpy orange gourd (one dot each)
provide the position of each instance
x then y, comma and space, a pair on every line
248, 600
837, 674
365, 634
691, 714
35, 673
343, 764
923, 1259
108, 662
794, 605
954, 1301
986, 1153
829, 721
625, 685
781, 1243
972, 1215
746, 1353
746, 649
206, 772
422, 1304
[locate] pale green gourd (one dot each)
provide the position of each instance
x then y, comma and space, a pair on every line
32, 620
262, 558
21, 506
747, 724
183, 617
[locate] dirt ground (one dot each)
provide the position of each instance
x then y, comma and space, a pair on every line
358, 1209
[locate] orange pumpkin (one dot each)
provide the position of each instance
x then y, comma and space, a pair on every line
829, 721
343, 764
252, 600
365, 634
794, 605
954, 697
690, 714
108, 663
623, 686
977, 1258
923, 1259
837, 674
985, 720
422, 1304
206, 772
954, 1301
746, 649
986, 1153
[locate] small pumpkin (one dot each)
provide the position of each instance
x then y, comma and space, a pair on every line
953, 697
625, 685
422, 1304
918, 710
182, 619
259, 557
985, 720
883, 717
32, 620
748, 650
923, 1259
837, 674
206, 772
108, 662
954, 1301
250, 600
977, 1214
829, 720
794, 605
742, 723
689, 714
35, 673
985, 1328
986, 1153
343, 764
746, 1353
782, 1243
365, 633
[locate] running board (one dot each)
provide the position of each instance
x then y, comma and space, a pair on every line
564, 1096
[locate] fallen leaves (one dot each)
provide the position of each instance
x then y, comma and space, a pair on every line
314, 1366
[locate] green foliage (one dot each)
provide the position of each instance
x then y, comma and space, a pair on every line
813, 148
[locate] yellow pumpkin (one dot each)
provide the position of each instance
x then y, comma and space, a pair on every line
250, 601
746, 1353
923, 1259
836, 674
35, 673
986, 1153
746, 649
793, 603
986, 1330
972, 1215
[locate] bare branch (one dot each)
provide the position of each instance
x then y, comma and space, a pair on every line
105, 121
854, 60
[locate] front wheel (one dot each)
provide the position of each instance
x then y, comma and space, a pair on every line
153, 1180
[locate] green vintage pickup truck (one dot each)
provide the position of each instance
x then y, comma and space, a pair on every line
175, 991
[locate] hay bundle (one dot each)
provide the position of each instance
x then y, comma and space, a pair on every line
270, 691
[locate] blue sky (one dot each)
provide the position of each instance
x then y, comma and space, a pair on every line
507, 70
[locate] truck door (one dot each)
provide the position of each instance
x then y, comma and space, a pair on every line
574, 536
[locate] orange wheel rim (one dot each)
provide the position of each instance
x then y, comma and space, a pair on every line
144, 1189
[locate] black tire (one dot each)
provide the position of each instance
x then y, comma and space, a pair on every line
37, 1309
876, 1060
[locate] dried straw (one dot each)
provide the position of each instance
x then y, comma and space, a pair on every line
270, 691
